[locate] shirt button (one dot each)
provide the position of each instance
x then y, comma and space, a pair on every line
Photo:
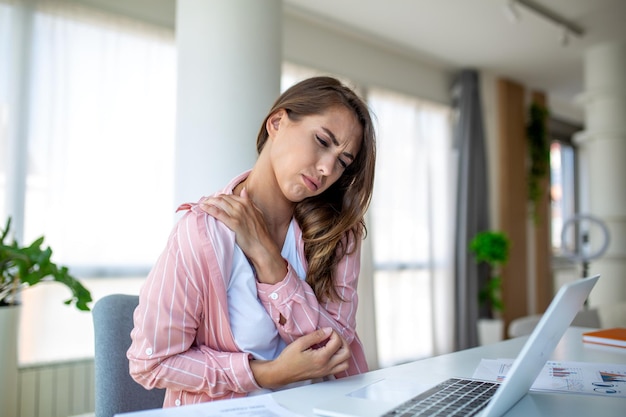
177, 402
149, 351
274, 296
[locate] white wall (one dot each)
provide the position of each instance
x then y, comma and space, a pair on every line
311, 43
159, 12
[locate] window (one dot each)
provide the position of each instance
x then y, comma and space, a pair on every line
411, 224
563, 179
291, 74
95, 122
6, 50
562, 188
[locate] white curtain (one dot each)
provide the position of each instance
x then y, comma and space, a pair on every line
412, 219
9, 70
97, 118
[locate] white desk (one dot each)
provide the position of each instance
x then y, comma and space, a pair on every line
301, 400
433, 370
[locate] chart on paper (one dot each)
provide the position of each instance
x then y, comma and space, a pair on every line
573, 377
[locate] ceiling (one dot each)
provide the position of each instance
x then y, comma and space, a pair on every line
480, 34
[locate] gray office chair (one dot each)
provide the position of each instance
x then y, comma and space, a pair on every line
116, 391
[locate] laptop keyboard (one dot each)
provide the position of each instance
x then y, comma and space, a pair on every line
454, 397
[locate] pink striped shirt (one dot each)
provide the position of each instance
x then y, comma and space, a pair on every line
182, 340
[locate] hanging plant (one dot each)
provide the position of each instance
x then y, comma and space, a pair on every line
539, 154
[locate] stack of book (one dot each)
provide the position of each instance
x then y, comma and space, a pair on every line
609, 337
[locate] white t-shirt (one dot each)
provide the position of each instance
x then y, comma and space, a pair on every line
253, 328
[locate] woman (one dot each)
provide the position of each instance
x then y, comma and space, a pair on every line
256, 289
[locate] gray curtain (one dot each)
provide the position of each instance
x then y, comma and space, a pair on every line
472, 214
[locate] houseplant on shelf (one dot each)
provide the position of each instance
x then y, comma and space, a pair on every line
491, 247
22, 267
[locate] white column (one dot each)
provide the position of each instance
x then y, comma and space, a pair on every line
229, 60
603, 163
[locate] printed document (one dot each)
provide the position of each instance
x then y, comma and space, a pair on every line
252, 406
607, 379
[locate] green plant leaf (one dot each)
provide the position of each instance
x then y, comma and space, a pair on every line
538, 153
25, 266
491, 247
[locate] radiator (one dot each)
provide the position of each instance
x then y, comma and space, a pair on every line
56, 390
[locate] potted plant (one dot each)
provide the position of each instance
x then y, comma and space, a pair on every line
22, 267
491, 247
25, 266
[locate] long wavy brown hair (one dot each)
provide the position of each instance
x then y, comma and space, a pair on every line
330, 220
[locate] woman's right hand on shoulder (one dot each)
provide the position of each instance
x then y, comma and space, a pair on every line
315, 355
240, 215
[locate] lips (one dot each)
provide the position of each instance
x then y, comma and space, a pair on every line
311, 183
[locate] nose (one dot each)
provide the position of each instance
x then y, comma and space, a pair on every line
326, 164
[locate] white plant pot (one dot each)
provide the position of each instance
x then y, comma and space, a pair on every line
490, 331
9, 320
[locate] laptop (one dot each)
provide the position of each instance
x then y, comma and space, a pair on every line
488, 398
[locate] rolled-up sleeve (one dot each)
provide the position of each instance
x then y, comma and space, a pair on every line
295, 301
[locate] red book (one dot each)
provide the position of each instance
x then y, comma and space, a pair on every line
609, 337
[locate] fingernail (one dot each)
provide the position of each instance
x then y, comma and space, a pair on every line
327, 331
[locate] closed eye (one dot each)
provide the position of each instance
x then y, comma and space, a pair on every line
326, 144
322, 141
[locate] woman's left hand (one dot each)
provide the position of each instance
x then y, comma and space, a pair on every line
315, 355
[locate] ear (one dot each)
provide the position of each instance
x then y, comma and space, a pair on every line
274, 122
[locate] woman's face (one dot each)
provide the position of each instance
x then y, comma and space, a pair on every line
310, 154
